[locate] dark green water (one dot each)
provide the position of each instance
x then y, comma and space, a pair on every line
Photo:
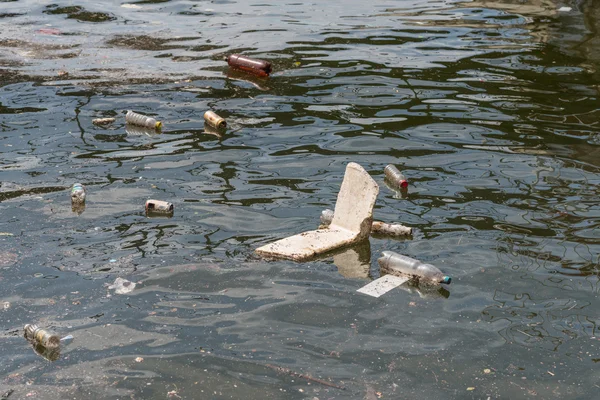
492, 113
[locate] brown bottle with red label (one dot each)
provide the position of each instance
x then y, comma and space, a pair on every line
257, 67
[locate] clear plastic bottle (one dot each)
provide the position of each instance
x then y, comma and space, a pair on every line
41, 336
142, 120
394, 264
326, 217
395, 176
78, 193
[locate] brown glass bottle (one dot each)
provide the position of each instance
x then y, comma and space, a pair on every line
251, 65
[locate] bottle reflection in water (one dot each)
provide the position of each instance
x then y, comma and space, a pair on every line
49, 353
135, 130
425, 291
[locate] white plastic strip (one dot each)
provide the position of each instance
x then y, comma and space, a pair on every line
382, 285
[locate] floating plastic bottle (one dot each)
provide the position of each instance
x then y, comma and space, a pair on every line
254, 66
41, 336
395, 176
78, 193
377, 227
394, 264
159, 207
142, 120
381, 228
326, 217
214, 120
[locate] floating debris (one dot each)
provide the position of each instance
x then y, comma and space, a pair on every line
122, 286
103, 121
159, 207
395, 177
382, 285
40, 336
213, 119
78, 193
397, 264
134, 118
251, 65
355, 202
377, 227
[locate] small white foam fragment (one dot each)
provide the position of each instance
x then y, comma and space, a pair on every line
66, 338
565, 9
122, 286
382, 285
130, 6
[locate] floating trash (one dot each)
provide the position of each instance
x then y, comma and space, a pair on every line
213, 119
78, 193
355, 202
40, 336
397, 264
251, 65
159, 207
395, 176
382, 285
142, 120
103, 121
122, 286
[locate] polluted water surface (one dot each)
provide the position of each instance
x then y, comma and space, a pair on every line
488, 109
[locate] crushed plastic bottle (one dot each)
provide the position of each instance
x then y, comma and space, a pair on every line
395, 176
78, 193
214, 120
142, 120
247, 64
41, 336
394, 264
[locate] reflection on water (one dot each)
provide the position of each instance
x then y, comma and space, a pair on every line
489, 109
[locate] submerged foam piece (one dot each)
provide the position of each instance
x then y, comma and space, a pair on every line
382, 285
351, 223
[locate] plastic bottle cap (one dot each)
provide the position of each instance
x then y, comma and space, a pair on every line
446, 280
158, 125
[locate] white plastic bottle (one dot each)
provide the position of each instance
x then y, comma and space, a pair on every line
394, 264
142, 120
